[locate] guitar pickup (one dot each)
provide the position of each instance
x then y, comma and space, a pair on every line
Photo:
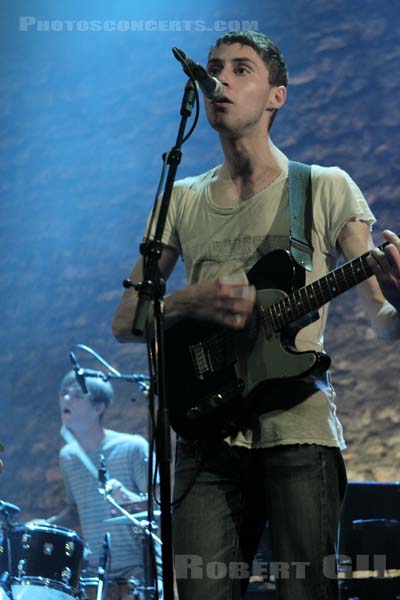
201, 360
209, 403
211, 356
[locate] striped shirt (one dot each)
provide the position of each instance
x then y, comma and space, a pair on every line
126, 459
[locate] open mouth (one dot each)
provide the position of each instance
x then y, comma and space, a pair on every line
66, 411
223, 100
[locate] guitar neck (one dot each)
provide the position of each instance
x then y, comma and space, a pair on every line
311, 297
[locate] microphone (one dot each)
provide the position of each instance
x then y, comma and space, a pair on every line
102, 476
210, 86
79, 373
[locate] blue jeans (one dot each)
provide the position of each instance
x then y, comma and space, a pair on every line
225, 495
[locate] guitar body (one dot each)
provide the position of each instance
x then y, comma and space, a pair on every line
198, 406
213, 374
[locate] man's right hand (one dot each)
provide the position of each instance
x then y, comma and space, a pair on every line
227, 301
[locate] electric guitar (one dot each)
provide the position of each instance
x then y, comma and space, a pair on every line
214, 374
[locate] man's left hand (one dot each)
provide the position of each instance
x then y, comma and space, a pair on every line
386, 267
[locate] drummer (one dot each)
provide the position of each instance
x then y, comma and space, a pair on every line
126, 460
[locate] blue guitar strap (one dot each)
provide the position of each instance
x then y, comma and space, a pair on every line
300, 211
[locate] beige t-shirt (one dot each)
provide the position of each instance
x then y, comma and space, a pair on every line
215, 241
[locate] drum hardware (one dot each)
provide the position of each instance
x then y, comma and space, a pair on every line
26, 538
69, 548
48, 549
126, 588
141, 527
8, 510
124, 520
66, 575
21, 568
139, 591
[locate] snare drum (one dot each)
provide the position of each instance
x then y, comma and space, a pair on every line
117, 589
114, 590
46, 562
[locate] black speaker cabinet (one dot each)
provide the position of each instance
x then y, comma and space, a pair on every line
370, 542
370, 589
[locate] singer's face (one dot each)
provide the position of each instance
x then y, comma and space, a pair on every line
248, 99
77, 411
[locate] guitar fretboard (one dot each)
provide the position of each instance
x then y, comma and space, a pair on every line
311, 297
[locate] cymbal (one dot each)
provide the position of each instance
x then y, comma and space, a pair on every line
124, 520
8, 509
143, 514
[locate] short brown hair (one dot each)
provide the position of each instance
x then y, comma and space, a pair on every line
266, 49
99, 391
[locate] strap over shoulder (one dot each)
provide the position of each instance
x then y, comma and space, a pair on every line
300, 210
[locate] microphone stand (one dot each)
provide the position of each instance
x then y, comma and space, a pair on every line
82, 372
151, 290
144, 383
101, 571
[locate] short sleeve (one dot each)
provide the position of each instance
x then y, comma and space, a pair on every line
64, 472
170, 235
138, 459
337, 200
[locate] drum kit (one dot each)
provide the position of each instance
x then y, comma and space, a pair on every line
40, 561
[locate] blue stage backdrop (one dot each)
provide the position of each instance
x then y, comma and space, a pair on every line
89, 100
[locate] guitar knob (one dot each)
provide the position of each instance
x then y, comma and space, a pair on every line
216, 400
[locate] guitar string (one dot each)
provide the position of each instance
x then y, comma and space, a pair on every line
297, 303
